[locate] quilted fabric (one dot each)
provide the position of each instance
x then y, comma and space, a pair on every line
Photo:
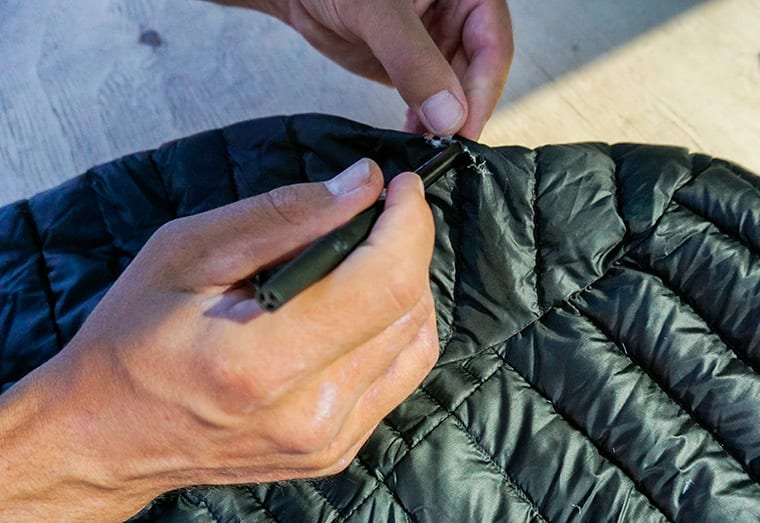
598, 310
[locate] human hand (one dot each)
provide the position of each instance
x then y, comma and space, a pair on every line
448, 59
179, 378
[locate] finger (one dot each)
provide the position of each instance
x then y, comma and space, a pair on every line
326, 398
423, 77
353, 55
389, 272
483, 62
228, 244
404, 375
382, 280
328, 461
401, 378
412, 123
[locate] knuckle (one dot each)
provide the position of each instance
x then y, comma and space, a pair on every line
285, 206
414, 321
421, 231
314, 439
170, 233
236, 388
402, 292
338, 465
425, 345
406, 288
327, 461
429, 353
169, 244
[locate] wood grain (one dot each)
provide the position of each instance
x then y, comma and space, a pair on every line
85, 81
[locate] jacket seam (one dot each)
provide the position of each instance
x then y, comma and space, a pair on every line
539, 315
43, 270
457, 285
385, 421
423, 436
252, 494
619, 198
174, 206
203, 503
689, 302
476, 443
380, 485
366, 498
313, 484
708, 431
580, 430
722, 230
230, 165
296, 145
536, 234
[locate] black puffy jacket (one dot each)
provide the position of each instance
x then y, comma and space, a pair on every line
598, 310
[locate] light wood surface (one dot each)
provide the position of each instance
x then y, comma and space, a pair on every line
85, 81
693, 81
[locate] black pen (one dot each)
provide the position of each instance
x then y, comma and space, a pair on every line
327, 252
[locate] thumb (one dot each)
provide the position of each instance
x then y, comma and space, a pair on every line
226, 245
414, 63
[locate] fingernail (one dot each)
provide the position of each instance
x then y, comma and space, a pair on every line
420, 186
443, 112
351, 179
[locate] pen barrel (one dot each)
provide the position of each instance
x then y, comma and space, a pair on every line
437, 166
327, 252
317, 260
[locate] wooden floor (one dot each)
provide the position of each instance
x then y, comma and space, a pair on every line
84, 81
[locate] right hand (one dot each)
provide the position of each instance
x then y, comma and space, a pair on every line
179, 378
448, 59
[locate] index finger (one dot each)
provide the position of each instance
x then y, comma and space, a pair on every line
377, 284
482, 63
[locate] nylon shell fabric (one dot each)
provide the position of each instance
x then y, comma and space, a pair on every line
598, 310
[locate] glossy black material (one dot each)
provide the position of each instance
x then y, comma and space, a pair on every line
598, 310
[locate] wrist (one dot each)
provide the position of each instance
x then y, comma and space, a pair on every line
50, 452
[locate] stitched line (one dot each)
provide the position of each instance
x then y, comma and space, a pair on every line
89, 176
385, 421
536, 237
380, 484
230, 164
423, 436
619, 198
742, 174
296, 145
163, 182
682, 406
467, 372
260, 502
540, 315
720, 228
315, 487
408, 447
366, 498
581, 430
200, 501
444, 418
645, 268
456, 291
475, 442
43, 270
